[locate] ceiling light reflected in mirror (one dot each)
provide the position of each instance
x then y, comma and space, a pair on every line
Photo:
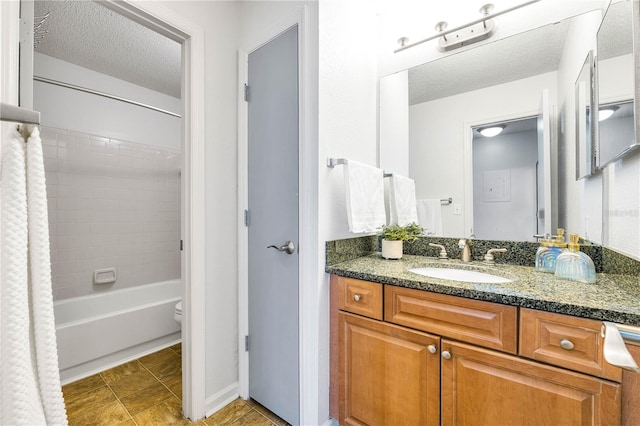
489, 132
607, 112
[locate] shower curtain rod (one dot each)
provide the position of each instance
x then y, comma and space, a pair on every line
18, 115
103, 94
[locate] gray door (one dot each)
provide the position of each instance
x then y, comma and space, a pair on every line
273, 221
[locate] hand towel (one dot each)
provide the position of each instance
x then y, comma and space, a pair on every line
41, 286
29, 378
430, 216
364, 190
402, 200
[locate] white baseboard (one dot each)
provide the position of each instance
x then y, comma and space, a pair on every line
221, 399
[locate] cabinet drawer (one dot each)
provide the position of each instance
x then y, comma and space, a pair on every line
360, 297
566, 341
487, 324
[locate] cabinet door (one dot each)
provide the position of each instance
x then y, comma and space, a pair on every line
481, 387
388, 375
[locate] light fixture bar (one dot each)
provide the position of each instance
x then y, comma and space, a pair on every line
458, 28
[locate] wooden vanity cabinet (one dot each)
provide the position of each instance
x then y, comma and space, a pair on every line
429, 368
388, 374
483, 387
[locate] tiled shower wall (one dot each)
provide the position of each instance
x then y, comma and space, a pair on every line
112, 203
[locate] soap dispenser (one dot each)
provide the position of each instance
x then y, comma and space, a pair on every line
574, 265
548, 252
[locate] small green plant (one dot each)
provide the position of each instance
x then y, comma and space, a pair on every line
409, 233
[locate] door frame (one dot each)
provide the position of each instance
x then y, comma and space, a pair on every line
307, 213
191, 36
467, 166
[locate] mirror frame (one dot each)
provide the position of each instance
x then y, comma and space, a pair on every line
635, 30
585, 127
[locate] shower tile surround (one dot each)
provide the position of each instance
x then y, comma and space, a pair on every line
112, 203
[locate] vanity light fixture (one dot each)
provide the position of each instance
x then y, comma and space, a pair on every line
491, 131
606, 112
465, 34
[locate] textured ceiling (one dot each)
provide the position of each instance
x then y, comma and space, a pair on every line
615, 36
513, 58
87, 34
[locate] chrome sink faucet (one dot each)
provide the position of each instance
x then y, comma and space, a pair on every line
465, 246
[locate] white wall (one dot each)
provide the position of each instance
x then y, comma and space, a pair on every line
219, 19
621, 186
580, 201
505, 210
393, 123
65, 108
437, 135
604, 207
348, 84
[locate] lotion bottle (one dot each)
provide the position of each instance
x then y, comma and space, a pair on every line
548, 252
575, 265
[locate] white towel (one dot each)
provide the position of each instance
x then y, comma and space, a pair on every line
364, 190
29, 376
430, 216
402, 200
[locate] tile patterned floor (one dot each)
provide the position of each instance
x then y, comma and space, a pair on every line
148, 391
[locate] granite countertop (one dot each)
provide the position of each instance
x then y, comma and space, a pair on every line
613, 298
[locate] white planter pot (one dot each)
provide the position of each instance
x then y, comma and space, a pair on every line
391, 249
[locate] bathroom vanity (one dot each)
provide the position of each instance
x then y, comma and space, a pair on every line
409, 349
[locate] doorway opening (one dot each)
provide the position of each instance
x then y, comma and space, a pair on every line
181, 173
507, 180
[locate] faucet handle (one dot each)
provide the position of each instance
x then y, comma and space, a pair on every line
489, 259
443, 251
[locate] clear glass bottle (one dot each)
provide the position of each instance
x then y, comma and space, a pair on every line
548, 252
575, 265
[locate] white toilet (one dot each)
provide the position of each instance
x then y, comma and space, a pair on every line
177, 313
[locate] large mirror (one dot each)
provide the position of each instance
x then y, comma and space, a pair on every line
616, 83
519, 79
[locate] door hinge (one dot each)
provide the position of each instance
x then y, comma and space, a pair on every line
181, 245
247, 218
246, 343
246, 92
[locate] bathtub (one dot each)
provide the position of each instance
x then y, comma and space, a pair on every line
100, 331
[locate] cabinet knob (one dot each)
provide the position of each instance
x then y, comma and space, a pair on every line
566, 344
432, 349
446, 354
357, 297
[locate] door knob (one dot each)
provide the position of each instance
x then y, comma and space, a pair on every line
289, 247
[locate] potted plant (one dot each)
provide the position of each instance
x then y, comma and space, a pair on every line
394, 235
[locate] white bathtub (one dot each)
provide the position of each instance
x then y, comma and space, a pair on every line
100, 331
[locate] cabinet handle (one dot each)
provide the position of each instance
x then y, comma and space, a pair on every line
357, 297
566, 344
446, 354
432, 349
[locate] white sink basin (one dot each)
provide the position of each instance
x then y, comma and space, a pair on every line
460, 275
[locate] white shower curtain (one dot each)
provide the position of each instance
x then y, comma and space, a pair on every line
29, 376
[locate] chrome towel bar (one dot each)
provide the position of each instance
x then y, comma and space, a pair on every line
17, 114
332, 162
